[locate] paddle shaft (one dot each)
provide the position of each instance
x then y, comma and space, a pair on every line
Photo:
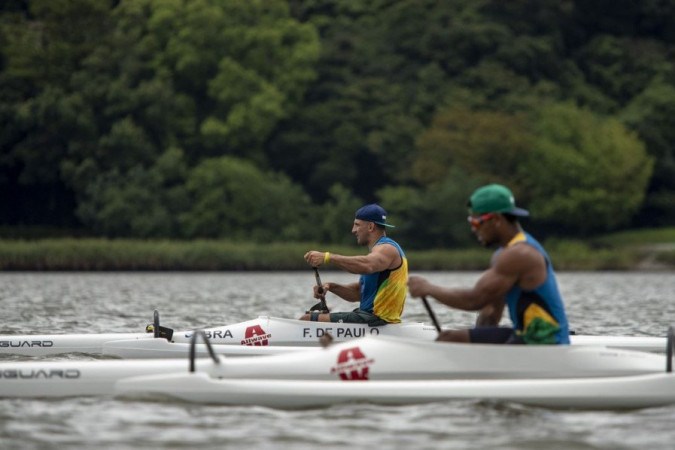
317, 277
431, 313
322, 302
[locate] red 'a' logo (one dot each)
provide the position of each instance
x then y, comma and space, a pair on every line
255, 335
352, 365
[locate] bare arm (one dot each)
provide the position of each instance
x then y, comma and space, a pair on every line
350, 292
520, 264
490, 286
490, 315
381, 257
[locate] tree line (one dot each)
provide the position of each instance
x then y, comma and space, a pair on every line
273, 120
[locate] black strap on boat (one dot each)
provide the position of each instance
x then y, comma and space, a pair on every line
160, 331
193, 343
431, 313
670, 341
155, 323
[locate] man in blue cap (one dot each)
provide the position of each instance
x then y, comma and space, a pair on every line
382, 289
520, 277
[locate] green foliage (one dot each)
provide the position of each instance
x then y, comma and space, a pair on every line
576, 255
637, 237
487, 145
585, 172
141, 202
623, 67
335, 218
112, 112
112, 87
250, 107
434, 216
449, 259
575, 170
231, 198
382, 72
127, 254
651, 114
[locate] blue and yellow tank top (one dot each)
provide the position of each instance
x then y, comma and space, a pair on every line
538, 315
383, 293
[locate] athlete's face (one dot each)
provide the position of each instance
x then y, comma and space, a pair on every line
361, 229
482, 225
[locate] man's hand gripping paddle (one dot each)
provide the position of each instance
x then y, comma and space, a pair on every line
320, 307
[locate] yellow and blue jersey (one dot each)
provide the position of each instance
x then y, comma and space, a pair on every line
538, 315
383, 293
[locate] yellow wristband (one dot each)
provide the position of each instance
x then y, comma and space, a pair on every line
326, 257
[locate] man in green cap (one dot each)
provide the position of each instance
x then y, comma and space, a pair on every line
520, 277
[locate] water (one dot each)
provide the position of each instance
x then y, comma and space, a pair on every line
597, 303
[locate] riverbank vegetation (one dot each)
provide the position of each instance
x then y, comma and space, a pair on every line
144, 124
645, 250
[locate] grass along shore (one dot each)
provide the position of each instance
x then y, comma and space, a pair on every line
636, 250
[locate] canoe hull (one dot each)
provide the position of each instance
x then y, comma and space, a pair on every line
366, 359
641, 391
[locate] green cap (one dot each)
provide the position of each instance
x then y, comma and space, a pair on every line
495, 198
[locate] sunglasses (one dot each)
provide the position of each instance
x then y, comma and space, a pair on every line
477, 221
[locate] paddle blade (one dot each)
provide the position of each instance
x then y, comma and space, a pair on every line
320, 307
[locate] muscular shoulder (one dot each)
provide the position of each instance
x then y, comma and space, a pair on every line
524, 262
519, 258
389, 252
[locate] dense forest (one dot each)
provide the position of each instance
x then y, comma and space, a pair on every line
273, 120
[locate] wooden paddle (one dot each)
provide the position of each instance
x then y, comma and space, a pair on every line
431, 313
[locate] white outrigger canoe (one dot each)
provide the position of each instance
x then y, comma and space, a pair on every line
370, 360
262, 336
579, 392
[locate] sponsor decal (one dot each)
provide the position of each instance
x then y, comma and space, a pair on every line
39, 374
15, 344
352, 365
214, 334
255, 335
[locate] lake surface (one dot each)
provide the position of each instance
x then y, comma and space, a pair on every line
597, 303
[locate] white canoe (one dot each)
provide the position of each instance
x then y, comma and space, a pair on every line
637, 391
253, 337
370, 358
261, 332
